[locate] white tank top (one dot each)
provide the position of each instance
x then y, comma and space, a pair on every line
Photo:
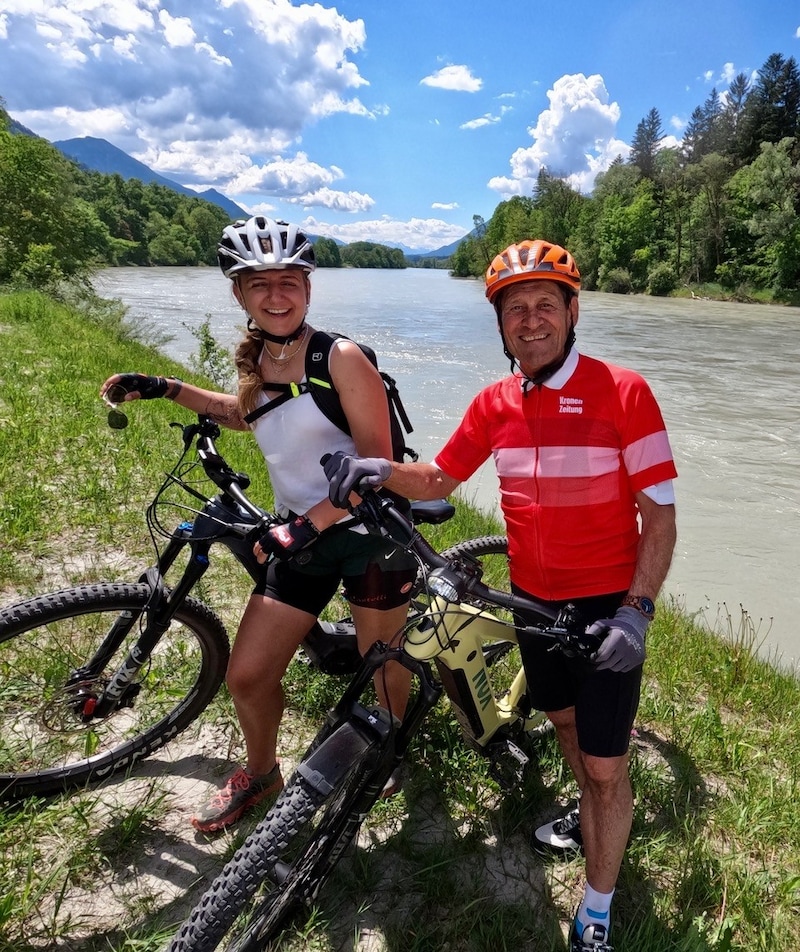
293, 437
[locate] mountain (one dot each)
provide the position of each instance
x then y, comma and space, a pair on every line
444, 252
99, 155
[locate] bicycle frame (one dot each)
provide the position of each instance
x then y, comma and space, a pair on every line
451, 632
230, 519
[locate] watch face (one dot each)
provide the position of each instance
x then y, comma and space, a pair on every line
647, 606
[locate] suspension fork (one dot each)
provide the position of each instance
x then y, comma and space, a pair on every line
428, 693
159, 612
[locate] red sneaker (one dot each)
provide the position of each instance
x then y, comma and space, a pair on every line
241, 791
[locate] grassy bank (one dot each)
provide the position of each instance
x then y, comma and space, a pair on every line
714, 858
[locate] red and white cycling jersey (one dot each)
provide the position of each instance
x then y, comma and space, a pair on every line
570, 456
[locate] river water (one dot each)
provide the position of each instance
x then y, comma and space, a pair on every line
725, 376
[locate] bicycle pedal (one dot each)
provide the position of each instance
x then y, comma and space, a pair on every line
508, 763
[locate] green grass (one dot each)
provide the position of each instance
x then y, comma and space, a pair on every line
714, 858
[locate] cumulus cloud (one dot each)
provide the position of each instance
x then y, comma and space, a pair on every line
129, 71
445, 206
425, 234
178, 31
459, 78
573, 138
353, 202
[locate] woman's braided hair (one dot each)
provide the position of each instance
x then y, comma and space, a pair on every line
246, 358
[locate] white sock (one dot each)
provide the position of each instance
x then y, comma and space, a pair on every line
596, 907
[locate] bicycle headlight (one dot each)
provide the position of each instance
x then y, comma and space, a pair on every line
445, 583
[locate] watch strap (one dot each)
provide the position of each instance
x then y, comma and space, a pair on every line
642, 604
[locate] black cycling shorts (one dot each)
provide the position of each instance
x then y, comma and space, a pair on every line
375, 573
605, 702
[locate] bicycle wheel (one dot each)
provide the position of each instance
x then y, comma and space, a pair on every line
282, 865
46, 744
492, 553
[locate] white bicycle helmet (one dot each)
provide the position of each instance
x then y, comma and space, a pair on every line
260, 244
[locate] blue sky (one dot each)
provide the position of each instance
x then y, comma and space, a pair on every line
372, 120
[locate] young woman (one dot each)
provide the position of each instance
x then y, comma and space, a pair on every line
269, 264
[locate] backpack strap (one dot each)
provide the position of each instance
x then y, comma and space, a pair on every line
318, 378
288, 391
318, 383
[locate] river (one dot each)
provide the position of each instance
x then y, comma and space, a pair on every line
724, 374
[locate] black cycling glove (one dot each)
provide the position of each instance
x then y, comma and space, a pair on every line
285, 540
148, 388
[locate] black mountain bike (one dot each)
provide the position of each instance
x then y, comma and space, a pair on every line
457, 640
97, 677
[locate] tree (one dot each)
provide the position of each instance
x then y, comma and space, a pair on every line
366, 254
327, 253
709, 215
767, 192
556, 207
646, 140
41, 215
733, 113
772, 110
671, 177
704, 131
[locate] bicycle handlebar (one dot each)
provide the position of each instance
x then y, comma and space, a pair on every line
455, 580
205, 432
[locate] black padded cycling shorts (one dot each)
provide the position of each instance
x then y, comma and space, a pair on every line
374, 572
605, 702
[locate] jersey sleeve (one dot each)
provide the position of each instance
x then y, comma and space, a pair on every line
646, 451
469, 446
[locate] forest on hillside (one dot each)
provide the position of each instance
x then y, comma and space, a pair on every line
59, 221
723, 208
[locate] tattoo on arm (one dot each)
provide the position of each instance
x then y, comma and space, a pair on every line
225, 414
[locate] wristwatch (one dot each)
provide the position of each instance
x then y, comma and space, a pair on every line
642, 604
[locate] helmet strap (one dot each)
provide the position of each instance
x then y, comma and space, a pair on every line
276, 338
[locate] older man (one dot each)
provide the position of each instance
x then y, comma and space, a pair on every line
585, 471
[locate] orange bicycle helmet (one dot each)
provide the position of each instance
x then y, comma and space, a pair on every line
531, 259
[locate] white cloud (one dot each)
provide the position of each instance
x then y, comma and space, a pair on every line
286, 176
178, 31
485, 120
129, 71
458, 78
445, 206
335, 201
574, 138
424, 234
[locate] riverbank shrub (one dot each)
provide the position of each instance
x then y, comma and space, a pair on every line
617, 281
662, 280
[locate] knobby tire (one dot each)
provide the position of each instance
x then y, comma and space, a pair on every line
45, 746
304, 852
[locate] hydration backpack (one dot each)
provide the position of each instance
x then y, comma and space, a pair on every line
319, 384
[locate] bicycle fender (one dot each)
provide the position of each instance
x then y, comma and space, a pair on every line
329, 763
153, 578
